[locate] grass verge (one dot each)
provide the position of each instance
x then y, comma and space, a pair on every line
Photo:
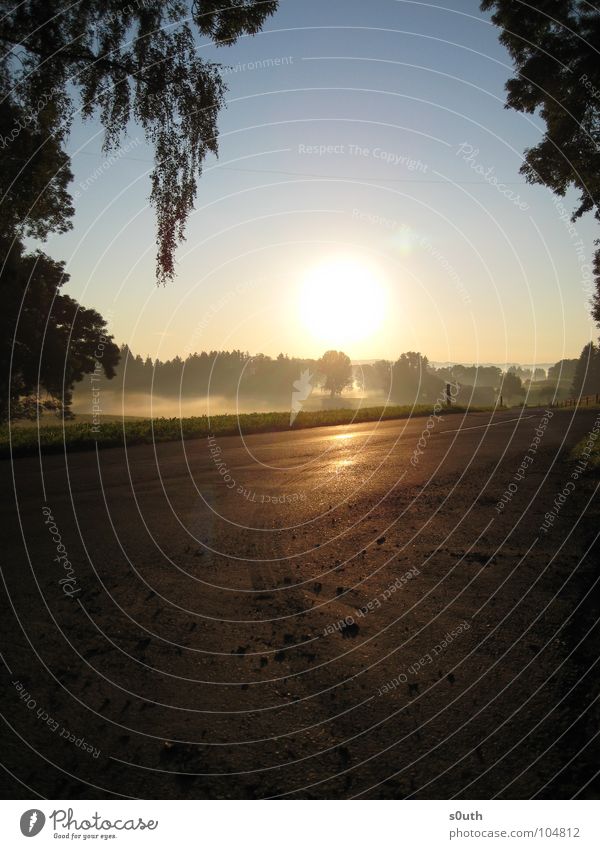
588, 450
78, 436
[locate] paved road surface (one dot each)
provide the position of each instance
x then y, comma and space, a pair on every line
320, 613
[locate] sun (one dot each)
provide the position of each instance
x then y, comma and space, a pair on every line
342, 300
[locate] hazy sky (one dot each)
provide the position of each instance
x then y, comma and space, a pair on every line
352, 149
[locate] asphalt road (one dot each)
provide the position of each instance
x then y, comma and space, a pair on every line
334, 612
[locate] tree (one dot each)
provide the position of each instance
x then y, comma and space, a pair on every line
47, 341
511, 386
554, 45
520, 372
413, 379
562, 370
374, 377
123, 61
382, 370
586, 380
337, 371
35, 173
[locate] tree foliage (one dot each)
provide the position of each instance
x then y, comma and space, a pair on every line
586, 380
123, 61
336, 368
228, 374
34, 178
555, 46
511, 386
413, 379
562, 370
474, 375
47, 341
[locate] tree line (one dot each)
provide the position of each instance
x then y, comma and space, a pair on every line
229, 374
409, 379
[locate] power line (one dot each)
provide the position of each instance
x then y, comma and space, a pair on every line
326, 176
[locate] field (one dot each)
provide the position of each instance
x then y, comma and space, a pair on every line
78, 435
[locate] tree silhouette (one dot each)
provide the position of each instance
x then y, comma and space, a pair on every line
259, 378
337, 371
413, 379
511, 386
33, 178
47, 341
586, 379
562, 370
554, 45
124, 61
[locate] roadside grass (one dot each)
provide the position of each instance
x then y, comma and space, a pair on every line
51, 420
590, 451
78, 435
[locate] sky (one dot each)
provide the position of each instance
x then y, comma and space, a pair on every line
366, 197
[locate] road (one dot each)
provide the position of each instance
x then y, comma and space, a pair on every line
329, 613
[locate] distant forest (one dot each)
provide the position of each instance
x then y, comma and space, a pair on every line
410, 379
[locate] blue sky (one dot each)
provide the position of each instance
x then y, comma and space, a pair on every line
342, 139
